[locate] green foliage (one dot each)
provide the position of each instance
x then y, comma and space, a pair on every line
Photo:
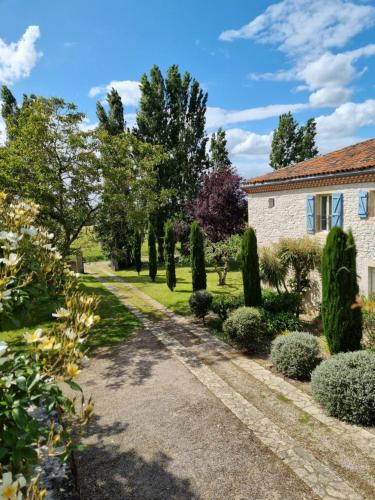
299, 256
342, 319
129, 194
291, 143
22, 385
52, 162
345, 386
138, 251
250, 269
172, 114
295, 355
223, 255
274, 302
113, 122
273, 271
219, 156
169, 248
246, 328
152, 255
197, 258
281, 322
368, 316
222, 305
200, 303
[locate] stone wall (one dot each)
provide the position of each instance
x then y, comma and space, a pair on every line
288, 219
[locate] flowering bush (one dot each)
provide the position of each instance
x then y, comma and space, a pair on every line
31, 380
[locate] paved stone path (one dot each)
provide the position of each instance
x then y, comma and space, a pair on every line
322, 481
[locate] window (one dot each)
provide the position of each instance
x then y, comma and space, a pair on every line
271, 202
324, 212
371, 204
371, 272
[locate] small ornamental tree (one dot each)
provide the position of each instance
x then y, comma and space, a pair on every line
250, 269
220, 207
198, 267
137, 251
169, 248
342, 319
152, 255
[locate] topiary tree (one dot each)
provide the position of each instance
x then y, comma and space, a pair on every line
200, 303
342, 320
152, 255
198, 266
137, 251
250, 269
169, 248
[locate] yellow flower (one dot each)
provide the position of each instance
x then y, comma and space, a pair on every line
31, 338
47, 344
11, 490
96, 318
2, 196
72, 370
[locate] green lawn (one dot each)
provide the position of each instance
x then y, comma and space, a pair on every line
116, 325
89, 245
178, 299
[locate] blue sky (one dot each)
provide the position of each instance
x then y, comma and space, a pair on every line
255, 59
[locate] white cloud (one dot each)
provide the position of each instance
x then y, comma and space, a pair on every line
17, 59
329, 97
248, 144
128, 89
217, 117
305, 26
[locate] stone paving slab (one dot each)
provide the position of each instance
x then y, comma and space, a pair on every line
360, 437
320, 478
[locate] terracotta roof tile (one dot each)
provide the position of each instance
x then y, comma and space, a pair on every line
357, 157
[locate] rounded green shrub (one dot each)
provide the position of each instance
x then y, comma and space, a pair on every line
200, 303
275, 302
245, 326
295, 355
222, 305
280, 322
345, 386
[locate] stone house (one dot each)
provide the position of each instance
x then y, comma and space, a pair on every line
335, 189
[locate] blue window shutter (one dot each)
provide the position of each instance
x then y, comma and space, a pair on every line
363, 204
310, 212
337, 209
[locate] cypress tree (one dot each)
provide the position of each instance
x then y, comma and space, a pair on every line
138, 251
250, 269
342, 320
198, 267
152, 255
169, 247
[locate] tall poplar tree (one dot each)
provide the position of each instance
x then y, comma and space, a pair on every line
112, 122
292, 143
172, 114
219, 155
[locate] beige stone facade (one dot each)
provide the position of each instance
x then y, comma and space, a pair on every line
283, 213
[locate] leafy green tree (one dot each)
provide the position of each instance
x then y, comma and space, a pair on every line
172, 114
198, 266
291, 143
112, 122
219, 156
138, 251
9, 109
51, 161
152, 254
169, 248
250, 269
342, 319
129, 194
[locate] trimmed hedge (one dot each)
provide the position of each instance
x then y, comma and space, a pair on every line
280, 322
295, 355
245, 326
222, 305
345, 386
275, 302
200, 303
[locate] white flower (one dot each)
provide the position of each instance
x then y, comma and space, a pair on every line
9, 489
70, 333
1, 307
11, 261
31, 338
58, 255
29, 231
3, 348
61, 313
5, 295
85, 361
86, 320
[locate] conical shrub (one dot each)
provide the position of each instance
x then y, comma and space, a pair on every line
342, 318
152, 255
250, 269
198, 267
138, 251
169, 248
